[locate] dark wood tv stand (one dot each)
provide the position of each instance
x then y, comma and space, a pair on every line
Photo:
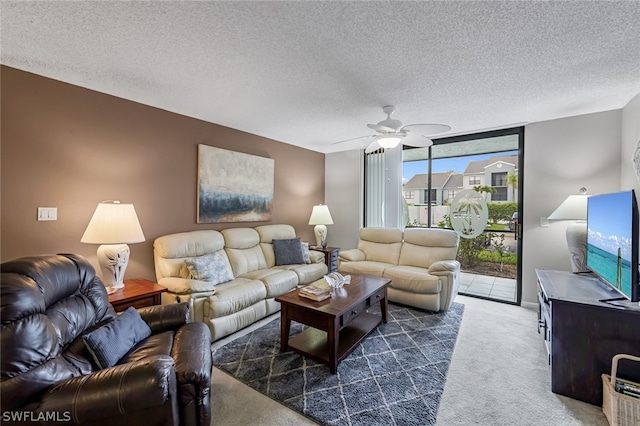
583, 334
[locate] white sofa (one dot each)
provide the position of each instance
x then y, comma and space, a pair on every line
419, 261
256, 279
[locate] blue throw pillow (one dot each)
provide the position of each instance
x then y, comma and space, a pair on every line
288, 252
112, 341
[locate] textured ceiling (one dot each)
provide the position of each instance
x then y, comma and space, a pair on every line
312, 73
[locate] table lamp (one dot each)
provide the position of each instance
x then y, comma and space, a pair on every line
114, 225
575, 208
320, 216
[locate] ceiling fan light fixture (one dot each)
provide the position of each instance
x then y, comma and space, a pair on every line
388, 141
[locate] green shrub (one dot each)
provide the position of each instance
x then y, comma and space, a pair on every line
491, 256
500, 212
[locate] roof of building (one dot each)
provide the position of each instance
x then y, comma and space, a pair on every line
438, 180
478, 166
455, 181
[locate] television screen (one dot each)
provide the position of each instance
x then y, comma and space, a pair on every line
612, 240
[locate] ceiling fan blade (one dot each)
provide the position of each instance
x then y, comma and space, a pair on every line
381, 128
353, 139
373, 146
427, 129
416, 140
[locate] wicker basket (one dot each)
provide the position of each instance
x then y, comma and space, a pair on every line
620, 409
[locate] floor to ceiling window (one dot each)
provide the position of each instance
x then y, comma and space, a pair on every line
430, 178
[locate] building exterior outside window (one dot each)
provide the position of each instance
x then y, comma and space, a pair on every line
500, 194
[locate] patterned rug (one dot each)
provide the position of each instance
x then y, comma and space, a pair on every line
394, 377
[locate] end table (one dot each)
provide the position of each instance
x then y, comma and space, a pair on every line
138, 293
330, 256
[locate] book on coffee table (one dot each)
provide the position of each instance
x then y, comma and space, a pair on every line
315, 292
315, 297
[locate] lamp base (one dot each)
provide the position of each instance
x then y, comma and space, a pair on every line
321, 235
113, 260
577, 243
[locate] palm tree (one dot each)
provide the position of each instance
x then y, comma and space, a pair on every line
483, 189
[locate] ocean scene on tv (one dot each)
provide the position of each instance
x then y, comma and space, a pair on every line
609, 239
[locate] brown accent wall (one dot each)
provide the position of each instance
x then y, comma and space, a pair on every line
68, 147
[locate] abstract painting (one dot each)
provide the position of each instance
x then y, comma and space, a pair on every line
233, 187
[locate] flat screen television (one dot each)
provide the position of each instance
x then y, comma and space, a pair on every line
612, 241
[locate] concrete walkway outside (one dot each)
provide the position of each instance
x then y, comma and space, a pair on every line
487, 286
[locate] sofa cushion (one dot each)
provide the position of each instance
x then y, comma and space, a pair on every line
276, 281
307, 273
113, 340
412, 279
424, 246
242, 246
209, 267
364, 267
171, 250
288, 252
156, 344
234, 296
381, 244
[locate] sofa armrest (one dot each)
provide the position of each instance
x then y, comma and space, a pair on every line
116, 391
186, 285
444, 266
165, 317
449, 273
316, 256
192, 354
351, 255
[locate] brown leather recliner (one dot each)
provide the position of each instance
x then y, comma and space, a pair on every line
49, 376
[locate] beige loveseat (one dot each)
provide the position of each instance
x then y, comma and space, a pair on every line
419, 261
246, 266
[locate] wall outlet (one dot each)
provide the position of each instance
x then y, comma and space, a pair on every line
544, 222
47, 213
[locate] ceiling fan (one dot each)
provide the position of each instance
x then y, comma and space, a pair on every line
391, 132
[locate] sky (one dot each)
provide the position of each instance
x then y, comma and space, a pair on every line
458, 164
609, 217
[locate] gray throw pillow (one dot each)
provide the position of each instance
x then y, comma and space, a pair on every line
113, 340
288, 252
209, 267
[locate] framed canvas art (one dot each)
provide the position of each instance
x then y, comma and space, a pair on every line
233, 187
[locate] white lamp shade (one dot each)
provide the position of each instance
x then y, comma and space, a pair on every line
113, 223
320, 216
573, 208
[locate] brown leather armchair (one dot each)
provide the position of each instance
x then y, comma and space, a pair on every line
49, 376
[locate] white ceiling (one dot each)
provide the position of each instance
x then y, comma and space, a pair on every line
310, 73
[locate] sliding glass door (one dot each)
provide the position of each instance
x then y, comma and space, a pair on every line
488, 165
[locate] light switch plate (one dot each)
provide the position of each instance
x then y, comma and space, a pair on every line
47, 213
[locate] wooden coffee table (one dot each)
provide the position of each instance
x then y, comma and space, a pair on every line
338, 324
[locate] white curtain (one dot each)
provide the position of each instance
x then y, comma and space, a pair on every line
383, 188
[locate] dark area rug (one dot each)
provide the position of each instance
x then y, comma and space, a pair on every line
394, 377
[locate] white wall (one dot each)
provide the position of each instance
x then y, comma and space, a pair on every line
343, 195
630, 140
560, 156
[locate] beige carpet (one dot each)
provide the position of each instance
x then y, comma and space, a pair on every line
498, 376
